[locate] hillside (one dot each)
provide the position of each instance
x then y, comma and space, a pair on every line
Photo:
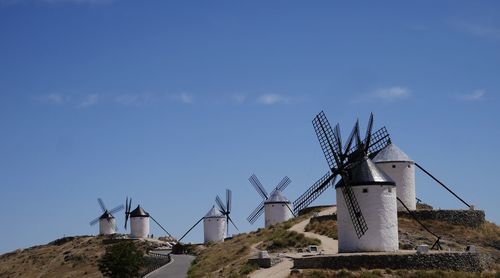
65, 257
78, 256
229, 259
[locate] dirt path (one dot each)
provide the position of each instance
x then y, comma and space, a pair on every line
328, 245
282, 269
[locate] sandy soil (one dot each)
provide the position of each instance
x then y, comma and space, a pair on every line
328, 245
282, 270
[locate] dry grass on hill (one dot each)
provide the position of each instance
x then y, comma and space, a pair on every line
65, 257
327, 228
229, 259
455, 237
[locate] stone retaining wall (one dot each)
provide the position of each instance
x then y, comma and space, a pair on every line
265, 262
470, 262
469, 218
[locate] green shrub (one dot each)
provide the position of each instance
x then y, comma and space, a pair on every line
121, 260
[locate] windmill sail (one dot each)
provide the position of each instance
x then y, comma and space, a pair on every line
326, 136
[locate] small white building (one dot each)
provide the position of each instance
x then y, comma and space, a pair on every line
376, 196
107, 224
139, 223
214, 226
401, 168
277, 209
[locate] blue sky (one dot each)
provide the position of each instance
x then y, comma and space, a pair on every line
172, 102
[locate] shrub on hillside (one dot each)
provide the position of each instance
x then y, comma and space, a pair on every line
121, 260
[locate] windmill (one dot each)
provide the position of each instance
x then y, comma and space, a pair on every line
400, 167
365, 194
277, 208
139, 220
214, 226
377, 141
107, 222
226, 209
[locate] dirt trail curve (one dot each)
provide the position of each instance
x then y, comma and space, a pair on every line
328, 245
282, 270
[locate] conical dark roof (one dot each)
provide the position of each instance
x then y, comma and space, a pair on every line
139, 212
365, 172
106, 215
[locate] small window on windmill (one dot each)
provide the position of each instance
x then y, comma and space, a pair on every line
393, 166
389, 189
409, 166
272, 205
365, 190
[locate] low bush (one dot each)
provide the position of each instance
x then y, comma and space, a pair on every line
121, 260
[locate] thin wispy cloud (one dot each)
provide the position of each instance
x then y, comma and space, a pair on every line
134, 99
477, 29
389, 94
89, 100
477, 95
392, 93
55, 98
270, 99
239, 98
184, 98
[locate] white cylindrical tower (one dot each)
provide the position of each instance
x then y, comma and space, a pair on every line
214, 226
277, 209
107, 224
376, 195
139, 223
401, 168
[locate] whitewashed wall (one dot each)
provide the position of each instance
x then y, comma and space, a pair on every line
107, 227
214, 229
276, 213
379, 209
139, 227
404, 176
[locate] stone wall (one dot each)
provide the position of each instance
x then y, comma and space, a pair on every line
456, 261
265, 262
469, 218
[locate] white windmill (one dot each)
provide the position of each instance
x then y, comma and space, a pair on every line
276, 207
366, 196
216, 221
214, 226
225, 209
401, 168
139, 221
107, 222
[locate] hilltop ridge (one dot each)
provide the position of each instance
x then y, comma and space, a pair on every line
78, 256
